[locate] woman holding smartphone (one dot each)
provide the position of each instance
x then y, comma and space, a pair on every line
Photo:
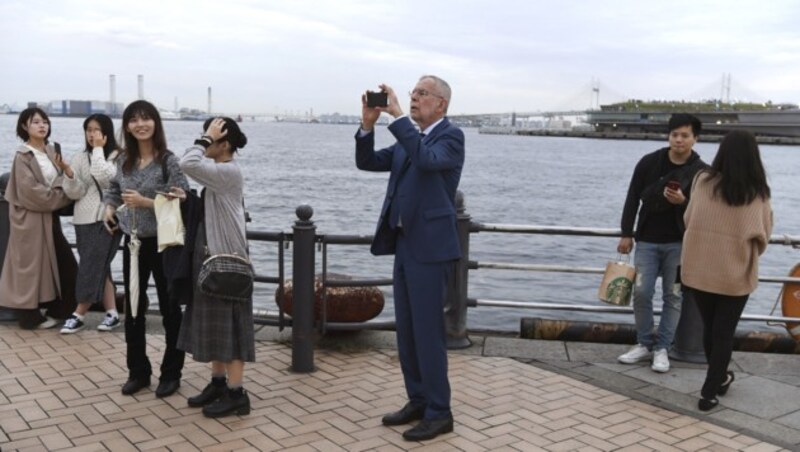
30, 274
216, 330
145, 166
87, 175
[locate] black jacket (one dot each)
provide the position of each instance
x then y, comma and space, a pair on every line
647, 187
178, 259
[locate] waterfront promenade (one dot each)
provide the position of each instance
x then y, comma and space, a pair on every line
62, 392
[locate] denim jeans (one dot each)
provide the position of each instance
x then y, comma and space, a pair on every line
653, 260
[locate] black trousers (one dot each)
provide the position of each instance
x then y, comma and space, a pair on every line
151, 262
720, 314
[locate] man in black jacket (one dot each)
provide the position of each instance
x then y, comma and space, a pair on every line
659, 192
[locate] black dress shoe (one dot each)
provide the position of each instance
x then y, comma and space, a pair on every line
723, 389
167, 388
707, 404
228, 404
429, 429
406, 414
134, 385
210, 393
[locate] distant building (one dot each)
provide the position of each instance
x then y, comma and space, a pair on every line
69, 107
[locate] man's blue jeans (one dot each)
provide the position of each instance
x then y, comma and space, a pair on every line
653, 260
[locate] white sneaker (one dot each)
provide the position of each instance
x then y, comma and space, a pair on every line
48, 322
660, 361
637, 353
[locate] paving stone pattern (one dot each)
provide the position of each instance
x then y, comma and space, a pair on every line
62, 392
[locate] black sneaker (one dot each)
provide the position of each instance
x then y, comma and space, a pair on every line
210, 394
72, 325
231, 402
109, 323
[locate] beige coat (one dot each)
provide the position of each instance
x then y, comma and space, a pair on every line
722, 243
30, 270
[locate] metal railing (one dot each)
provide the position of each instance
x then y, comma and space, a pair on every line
304, 239
458, 302
786, 240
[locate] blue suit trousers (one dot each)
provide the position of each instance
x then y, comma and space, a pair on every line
420, 291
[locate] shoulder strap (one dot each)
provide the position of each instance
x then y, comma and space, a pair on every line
96, 184
164, 169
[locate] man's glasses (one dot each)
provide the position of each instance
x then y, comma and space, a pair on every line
422, 93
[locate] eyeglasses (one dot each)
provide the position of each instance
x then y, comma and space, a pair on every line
422, 93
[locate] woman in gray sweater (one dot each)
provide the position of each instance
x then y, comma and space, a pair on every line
144, 168
219, 331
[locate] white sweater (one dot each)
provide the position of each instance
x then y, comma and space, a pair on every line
81, 187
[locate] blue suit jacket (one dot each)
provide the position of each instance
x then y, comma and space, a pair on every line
431, 169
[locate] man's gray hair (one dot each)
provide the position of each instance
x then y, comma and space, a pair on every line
441, 86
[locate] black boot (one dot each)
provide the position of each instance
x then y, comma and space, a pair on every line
211, 392
233, 401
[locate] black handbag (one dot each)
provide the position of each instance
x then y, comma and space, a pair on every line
226, 276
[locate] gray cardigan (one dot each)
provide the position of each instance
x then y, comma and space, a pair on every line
224, 207
146, 181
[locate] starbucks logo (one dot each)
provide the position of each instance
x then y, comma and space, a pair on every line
619, 291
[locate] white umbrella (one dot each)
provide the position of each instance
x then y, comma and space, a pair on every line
133, 280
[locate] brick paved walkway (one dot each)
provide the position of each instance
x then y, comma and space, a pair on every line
62, 392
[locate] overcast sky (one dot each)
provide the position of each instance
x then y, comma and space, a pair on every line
292, 55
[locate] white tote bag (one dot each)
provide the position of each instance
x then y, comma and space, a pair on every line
170, 223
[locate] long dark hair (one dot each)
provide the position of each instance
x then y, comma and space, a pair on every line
235, 137
738, 171
107, 128
146, 110
25, 117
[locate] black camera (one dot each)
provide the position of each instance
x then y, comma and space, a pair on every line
379, 99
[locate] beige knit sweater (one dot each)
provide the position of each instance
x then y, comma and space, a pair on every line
722, 243
80, 187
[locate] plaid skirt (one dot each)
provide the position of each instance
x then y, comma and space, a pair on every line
96, 249
214, 329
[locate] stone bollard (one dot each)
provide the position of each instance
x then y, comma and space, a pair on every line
688, 344
303, 280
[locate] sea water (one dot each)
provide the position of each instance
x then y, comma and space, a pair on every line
506, 179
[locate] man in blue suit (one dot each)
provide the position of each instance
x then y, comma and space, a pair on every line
418, 225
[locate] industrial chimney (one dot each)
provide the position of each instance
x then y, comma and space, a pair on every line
112, 87
209, 100
140, 79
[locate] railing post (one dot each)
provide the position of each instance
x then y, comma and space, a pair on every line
455, 313
303, 290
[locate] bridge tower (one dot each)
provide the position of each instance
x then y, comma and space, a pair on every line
594, 98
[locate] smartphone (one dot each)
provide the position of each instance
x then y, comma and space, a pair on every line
113, 223
163, 193
674, 185
380, 99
